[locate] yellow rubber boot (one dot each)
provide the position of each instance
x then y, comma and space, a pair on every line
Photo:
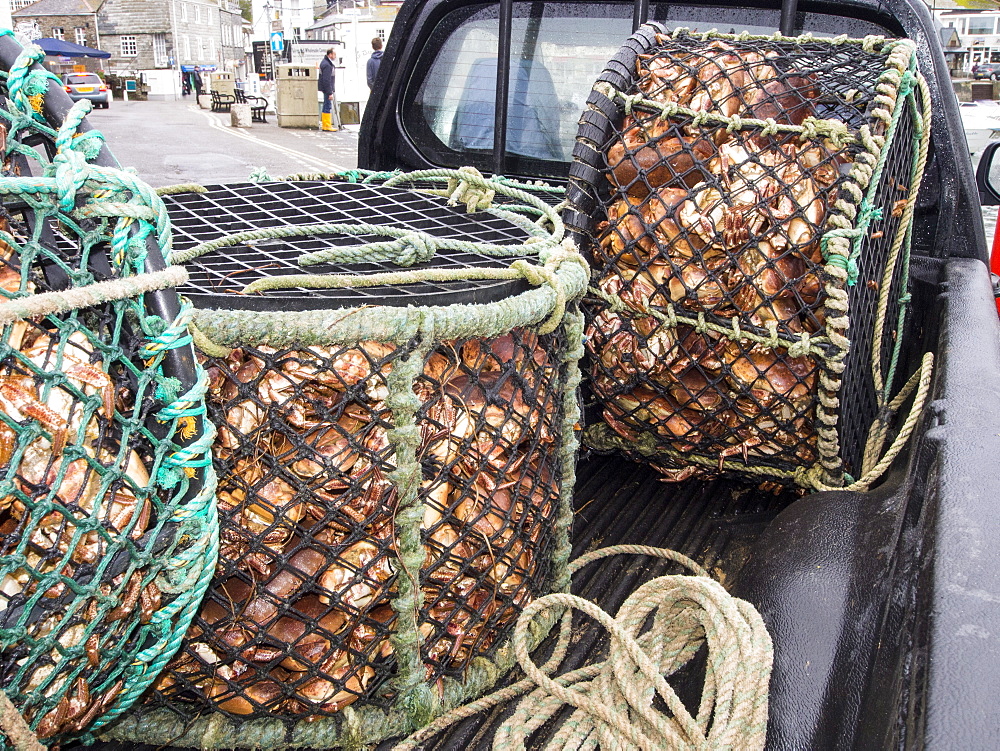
326, 121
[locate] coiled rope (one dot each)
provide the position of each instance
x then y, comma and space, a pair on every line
615, 699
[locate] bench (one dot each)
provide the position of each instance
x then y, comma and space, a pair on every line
222, 102
258, 105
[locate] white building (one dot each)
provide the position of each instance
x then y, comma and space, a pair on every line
354, 28
291, 17
979, 32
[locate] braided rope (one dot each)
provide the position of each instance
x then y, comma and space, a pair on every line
63, 301
15, 727
799, 345
614, 699
812, 127
902, 238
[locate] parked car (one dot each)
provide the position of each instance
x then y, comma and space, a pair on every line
987, 70
882, 605
87, 86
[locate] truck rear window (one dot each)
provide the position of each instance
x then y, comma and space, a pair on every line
557, 50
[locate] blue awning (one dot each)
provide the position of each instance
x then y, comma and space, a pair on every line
52, 46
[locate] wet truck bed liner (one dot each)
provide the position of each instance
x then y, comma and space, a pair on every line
616, 502
714, 522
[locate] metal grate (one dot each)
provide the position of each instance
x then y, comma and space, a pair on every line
229, 209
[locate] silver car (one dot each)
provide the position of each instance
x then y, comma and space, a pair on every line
87, 86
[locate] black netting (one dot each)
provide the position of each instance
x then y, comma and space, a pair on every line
228, 209
715, 184
299, 618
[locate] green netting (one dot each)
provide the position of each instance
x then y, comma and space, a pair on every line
395, 483
108, 533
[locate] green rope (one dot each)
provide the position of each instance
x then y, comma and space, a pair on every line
812, 127
409, 247
901, 243
173, 190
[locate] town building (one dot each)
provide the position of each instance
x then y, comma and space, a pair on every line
155, 39
354, 28
978, 31
69, 20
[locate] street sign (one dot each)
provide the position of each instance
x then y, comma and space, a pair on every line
262, 58
277, 42
277, 25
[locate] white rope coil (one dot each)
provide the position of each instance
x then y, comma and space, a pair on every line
657, 631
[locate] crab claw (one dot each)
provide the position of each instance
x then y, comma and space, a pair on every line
26, 405
91, 376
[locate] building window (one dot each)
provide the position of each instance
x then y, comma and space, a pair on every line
187, 48
159, 50
201, 13
57, 32
184, 12
129, 48
80, 35
18, 4
982, 25
211, 48
381, 34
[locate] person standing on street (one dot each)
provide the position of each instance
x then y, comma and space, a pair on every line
326, 85
374, 61
196, 80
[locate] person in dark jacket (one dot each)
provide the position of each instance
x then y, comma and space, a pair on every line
326, 85
374, 61
196, 82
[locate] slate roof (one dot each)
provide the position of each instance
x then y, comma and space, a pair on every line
57, 8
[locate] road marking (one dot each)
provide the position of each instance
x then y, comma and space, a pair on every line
303, 158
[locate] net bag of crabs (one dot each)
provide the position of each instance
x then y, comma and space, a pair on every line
749, 201
395, 454
106, 485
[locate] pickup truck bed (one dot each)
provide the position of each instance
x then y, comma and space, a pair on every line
883, 606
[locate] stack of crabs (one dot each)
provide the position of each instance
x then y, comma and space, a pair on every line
708, 261
300, 619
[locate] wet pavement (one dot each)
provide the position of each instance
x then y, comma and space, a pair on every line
175, 142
